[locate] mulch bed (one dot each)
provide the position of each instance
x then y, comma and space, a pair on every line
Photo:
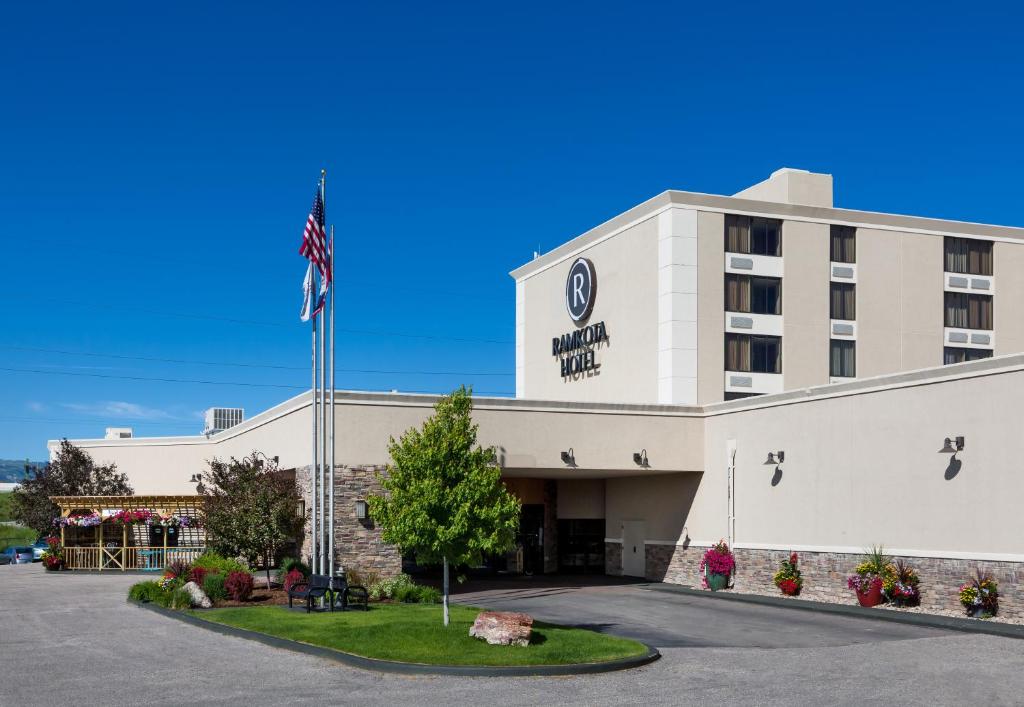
260, 597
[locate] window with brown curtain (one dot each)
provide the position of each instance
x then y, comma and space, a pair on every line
966, 311
753, 354
844, 244
843, 298
755, 295
737, 293
754, 236
968, 256
737, 234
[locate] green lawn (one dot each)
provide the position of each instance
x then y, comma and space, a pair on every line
413, 633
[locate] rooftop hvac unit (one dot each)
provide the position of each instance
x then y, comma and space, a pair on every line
220, 419
119, 433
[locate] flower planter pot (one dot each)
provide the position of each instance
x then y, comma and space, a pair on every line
872, 597
976, 612
717, 582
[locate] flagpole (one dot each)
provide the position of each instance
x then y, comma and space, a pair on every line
323, 405
330, 522
313, 456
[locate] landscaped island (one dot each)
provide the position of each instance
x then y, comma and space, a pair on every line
413, 633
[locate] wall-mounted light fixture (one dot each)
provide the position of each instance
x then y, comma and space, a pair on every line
640, 458
361, 510
952, 445
196, 479
259, 462
569, 457
775, 458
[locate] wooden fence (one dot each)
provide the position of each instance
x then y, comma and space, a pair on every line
122, 559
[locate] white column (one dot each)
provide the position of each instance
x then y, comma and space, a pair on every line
520, 339
677, 306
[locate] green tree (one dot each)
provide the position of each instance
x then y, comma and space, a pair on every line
71, 473
250, 509
443, 497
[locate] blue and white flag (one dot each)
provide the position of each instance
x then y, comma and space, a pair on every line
307, 295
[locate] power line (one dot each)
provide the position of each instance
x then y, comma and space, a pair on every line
243, 365
204, 382
256, 322
108, 422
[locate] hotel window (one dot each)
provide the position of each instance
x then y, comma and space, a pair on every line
843, 359
952, 354
844, 244
966, 311
753, 236
753, 295
968, 256
753, 354
843, 300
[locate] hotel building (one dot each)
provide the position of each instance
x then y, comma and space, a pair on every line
662, 356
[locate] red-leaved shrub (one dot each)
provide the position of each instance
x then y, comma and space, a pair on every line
292, 578
198, 575
239, 585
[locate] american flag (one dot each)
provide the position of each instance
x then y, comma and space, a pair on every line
314, 241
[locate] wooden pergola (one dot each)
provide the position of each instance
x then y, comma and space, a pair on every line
129, 547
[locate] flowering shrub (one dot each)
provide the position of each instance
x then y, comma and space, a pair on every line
292, 578
875, 571
53, 557
862, 584
179, 569
126, 517
900, 585
717, 559
980, 595
198, 575
239, 585
788, 578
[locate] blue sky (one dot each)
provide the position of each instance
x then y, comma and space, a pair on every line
158, 163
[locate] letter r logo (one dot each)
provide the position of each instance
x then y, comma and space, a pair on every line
580, 288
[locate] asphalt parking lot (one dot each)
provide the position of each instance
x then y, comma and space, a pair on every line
74, 638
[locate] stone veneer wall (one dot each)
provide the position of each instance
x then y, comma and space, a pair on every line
357, 543
825, 574
613, 559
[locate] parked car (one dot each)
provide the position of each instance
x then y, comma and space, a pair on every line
5, 559
38, 549
18, 555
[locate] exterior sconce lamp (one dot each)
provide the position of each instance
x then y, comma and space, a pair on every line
259, 462
775, 458
198, 478
948, 445
569, 457
640, 458
361, 510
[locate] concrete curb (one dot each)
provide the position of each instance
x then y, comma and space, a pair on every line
948, 623
388, 666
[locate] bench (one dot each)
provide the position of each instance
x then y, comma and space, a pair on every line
351, 594
316, 588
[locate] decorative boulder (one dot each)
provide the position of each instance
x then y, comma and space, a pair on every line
502, 628
198, 596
